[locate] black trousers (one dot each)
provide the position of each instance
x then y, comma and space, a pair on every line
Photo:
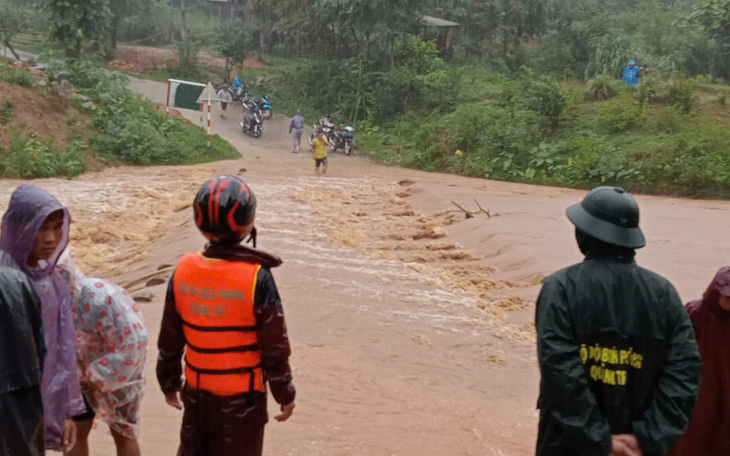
21, 423
222, 425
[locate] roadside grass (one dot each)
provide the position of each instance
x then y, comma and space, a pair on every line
123, 128
647, 147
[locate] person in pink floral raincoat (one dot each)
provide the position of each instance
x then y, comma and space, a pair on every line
111, 342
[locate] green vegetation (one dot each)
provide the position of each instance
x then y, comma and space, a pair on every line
603, 87
126, 129
17, 76
130, 130
30, 158
530, 90
6, 111
487, 114
234, 43
13, 21
75, 23
652, 148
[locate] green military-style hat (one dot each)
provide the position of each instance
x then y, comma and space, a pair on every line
611, 215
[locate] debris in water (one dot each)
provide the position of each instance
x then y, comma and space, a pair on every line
156, 280
494, 359
143, 296
435, 232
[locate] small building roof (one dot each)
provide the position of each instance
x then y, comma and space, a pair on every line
436, 22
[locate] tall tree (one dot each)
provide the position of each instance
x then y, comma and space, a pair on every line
345, 28
234, 42
13, 21
714, 16
263, 18
75, 22
123, 9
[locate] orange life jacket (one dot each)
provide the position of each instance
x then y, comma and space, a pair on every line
215, 299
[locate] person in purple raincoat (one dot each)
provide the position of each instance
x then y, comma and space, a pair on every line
35, 230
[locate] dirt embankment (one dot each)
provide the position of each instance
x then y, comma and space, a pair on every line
46, 116
142, 59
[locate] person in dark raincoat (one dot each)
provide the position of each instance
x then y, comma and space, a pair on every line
224, 313
35, 230
21, 351
619, 362
709, 431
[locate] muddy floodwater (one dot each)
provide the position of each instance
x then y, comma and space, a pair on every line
411, 324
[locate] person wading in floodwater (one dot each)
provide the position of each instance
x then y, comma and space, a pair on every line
319, 152
224, 312
619, 362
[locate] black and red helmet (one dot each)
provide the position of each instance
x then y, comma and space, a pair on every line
225, 209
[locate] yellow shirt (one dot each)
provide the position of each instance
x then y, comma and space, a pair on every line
320, 147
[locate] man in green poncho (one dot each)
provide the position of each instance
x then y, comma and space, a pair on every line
619, 362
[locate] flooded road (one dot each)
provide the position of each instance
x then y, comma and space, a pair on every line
411, 325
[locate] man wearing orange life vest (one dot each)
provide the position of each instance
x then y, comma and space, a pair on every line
224, 312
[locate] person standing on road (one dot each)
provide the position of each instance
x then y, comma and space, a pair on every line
21, 357
619, 362
319, 151
224, 312
709, 430
225, 97
296, 128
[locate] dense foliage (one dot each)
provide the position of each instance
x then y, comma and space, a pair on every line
74, 23
126, 129
529, 89
654, 147
130, 129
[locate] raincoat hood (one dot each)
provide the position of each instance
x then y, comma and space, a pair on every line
712, 413
28, 209
720, 286
632, 62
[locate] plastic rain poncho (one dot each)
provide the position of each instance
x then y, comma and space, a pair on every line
28, 209
111, 340
631, 74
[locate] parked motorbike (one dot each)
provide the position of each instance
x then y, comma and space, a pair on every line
344, 139
325, 125
349, 135
252, 121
